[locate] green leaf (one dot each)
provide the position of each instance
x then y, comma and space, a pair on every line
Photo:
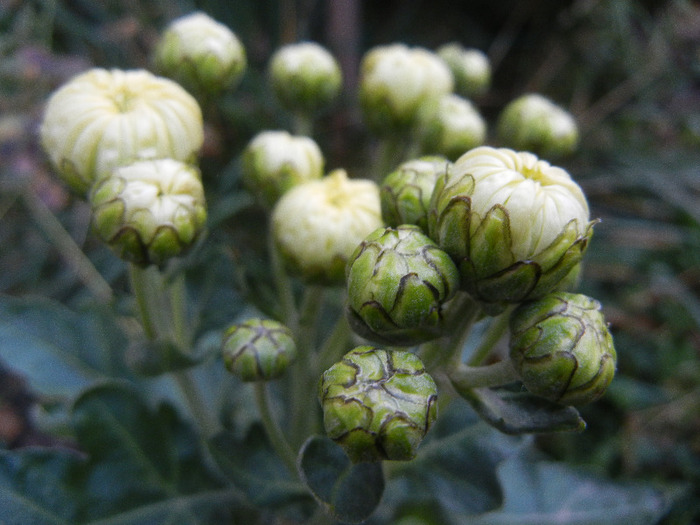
37, 487
521, 412
139, 458
350, 492
543, 493
455, 469
59, 351
252, 466
154, 358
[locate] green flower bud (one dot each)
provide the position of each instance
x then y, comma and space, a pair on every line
515, 225
305, 77
534, 123
470, 67
149, 211
562, 349
405, 193
378, 404
398, 280
317, 225
201, 53
455, 128
103, 119
398, 84
273, 162
258, 349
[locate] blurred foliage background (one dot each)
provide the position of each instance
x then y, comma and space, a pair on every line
629, 70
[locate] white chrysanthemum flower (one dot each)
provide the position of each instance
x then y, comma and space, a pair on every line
398, 84
515, 225
471, 69
202, 53
318, 225
305, 76
149, 211
275, 161
455, 128
534, 123
103, 119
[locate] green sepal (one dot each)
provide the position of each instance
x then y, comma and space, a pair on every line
492, 242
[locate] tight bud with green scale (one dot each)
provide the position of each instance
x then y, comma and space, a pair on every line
398, 281
561, 347
405, 193
456, 127
149, 211
378, 404
305, 77
317, 225
258, 349
515, 225
201, 53
398, 84
103, 119
273, 162
534, 123
470, 67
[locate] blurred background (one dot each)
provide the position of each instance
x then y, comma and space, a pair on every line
628, 70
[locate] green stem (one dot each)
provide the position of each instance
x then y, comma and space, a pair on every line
388, 157
178, 304
497, 374
198, 407
305, 373
139, 288
334, 346
272, 428
302, 125
290, 315
67, 247
460, 316
491, 336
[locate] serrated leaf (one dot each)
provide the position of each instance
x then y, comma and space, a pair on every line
58, 350
544, 493
350, 492
521, 412
36, 487
252, 466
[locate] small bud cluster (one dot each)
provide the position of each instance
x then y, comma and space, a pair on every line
500, 226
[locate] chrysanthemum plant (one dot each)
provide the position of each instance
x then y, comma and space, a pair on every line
435, 286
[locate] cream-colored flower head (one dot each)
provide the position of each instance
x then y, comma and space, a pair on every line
515, 225
149, 211
201, 53
471, 69
398, 84
541, 199
275, 161
535, 123
318, 225
305, 77
454, 129
103, 119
